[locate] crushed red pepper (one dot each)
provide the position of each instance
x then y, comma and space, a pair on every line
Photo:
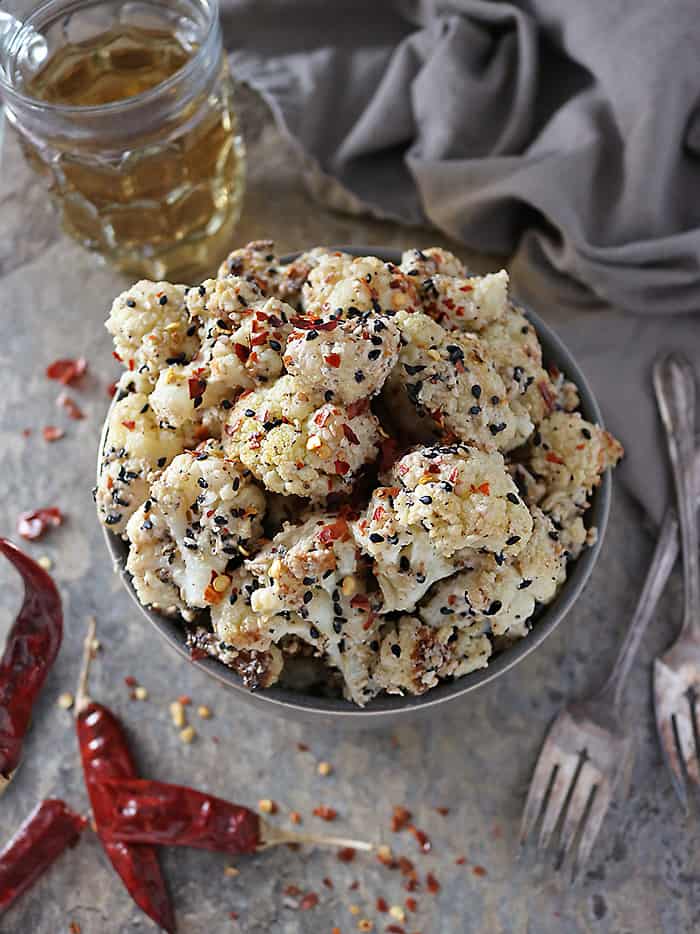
400, 819
71, 406
35, 524
67, 371
325, 813
52, 433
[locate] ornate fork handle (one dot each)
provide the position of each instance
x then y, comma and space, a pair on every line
674, 384
660, 568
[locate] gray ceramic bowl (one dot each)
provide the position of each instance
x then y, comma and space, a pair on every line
388, 710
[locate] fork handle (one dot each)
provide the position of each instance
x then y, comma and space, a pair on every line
674, 383
660, 568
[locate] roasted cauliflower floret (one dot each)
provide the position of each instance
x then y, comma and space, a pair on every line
292, 276
414, 657
218, 305
443, 502
294, 443
346, 359
212, 511
154, 561
569, 455
150, 327
256, 262
425, 263
311, 583
335, 286
465, 304
227, 363
444, 383
136, 445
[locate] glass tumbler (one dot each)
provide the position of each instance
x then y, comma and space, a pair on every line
126, 112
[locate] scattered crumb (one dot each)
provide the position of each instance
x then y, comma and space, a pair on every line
365, 925
397, 912
295, 817
479, 871
65, 701
45, 562
267, 806
188, 734
140, 693
185, 699
177, 714
324, 768
346, 854
354, 909
384, 854
231, 872
204, 712
325, 813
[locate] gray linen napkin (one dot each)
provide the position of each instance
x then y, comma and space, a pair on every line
565, 132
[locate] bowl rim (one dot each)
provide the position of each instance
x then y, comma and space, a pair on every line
284, 701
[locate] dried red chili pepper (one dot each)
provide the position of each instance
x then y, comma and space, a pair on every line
105, 753
49, 830
35, 524
144, 811
67, 371
30, 650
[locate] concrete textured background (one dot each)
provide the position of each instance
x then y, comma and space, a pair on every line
645, 872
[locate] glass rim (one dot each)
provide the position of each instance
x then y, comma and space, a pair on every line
145, 97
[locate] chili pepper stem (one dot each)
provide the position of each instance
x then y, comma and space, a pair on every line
275, 836
82, 698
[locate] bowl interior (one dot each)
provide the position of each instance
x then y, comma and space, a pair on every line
387, 708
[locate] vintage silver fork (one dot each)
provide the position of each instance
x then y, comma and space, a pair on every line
677, 672
588, 752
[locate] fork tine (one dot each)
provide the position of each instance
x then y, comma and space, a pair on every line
685, 739
564, 781
666, 728
537, 795
692, 764
586, 784
602, 797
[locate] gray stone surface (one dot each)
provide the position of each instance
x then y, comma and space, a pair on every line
645, 874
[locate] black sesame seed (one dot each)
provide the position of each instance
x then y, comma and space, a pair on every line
328, 395
554, 536
495, 429
499, 559
113, 518
513, 540
191, 330
311, 335
313, 632
203, 483
130, 303
537, 439
374, 354
341, 645
163, 300
524, 584
359, 376
586, 433
447, 487
404, 563
446, 610
475, 410
396, 650
511, 497
495, 400
476, 391
494, 608
420, 578
249, 413
426, 500
220, 520
161, 461
236, 483
374, 645
377, 341
202, 291
376, 538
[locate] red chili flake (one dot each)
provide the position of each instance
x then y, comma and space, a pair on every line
196, 387
479, 871
412, 884
550, 399
197, 654
241, 351
302, 747
130, 424
580, 447
454, 475
554, 371
443, 811
378, 513
346, 855
71, 407
460, 861
67, 371
328, 882
352, 437
432, 884
341, 467
411, 904
382, 905
336, 531
459, 367
448, 303
400, 818
185, 700
233, 915
259, 339
111, 389
310, 900
354, 885
26, 432
74, 927
295, 817
482, 488
292, 890
116, 356
553, 458
51, 433
357, 408
130, 681
132, 365
360, 599
422, 838
35, 524
395, 929
333, 359
325, 813
467, 288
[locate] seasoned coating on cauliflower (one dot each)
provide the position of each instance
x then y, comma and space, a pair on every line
255, 262
500, 593
365, 283
465, 304
150, 327
257, 669
294, 443
345, 358
430, 261
513, 347
292, 276
219, 304
153, 560
309, 582
445, 501
414, 657
136, 445
232, 360
212, 511
568, 455
445, 383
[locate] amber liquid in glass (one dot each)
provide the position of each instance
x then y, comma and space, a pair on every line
166, 207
